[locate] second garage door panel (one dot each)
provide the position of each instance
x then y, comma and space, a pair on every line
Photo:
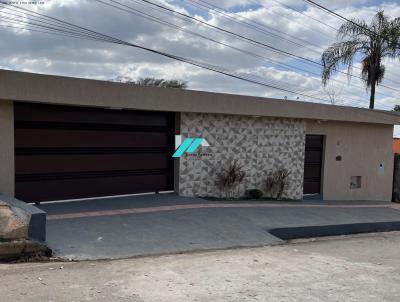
80, 138
84, 186
103, 162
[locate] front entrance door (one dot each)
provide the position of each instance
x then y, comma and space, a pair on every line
313, 164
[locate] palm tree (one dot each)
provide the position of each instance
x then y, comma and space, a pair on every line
371, 42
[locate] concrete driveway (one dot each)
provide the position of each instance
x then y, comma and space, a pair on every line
166, 223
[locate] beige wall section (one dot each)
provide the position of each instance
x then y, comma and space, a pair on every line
7, 148
363, 148
82, 92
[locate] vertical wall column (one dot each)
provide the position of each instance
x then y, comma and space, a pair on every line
176, 160
7, 169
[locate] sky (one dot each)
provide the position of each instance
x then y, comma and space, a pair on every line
289, 25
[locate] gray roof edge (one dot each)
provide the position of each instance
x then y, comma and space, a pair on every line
33, 87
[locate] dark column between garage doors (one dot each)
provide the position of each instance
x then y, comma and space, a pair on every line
65, 152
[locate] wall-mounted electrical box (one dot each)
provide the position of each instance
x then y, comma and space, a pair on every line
355, 182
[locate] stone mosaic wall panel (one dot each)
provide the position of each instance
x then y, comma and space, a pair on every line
260, 144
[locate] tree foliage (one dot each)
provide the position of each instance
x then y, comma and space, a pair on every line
161, 83
371, 42
155, 82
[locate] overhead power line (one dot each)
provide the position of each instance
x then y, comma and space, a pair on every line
231, 16
63, 28
343, 18
291, 19
249, 39
78, 31
150, 17
252, 41
333, 13
219, 10
231, 32
327, 25
252, 24
306, 15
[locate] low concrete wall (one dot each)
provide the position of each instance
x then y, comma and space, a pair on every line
32, 218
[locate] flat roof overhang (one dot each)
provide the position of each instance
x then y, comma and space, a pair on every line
31, 87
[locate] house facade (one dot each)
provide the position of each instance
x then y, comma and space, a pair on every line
67, 138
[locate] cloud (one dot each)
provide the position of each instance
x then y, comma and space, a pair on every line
267, 21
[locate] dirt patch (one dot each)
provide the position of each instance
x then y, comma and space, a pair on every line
23, 251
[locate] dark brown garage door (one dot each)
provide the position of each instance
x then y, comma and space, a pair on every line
67, 152
313, 164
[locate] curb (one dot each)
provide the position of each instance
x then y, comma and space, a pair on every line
334, 230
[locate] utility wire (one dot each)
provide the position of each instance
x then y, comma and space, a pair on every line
324, 23
249, 23
135, 12
216, 28
290, 19
169, 13
230, 32
341, 17
333, 13
34, 24
77, 30
251, 40
237, 20
150, 17
304, 14
106, 38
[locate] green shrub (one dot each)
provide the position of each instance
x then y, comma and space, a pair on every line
254, 193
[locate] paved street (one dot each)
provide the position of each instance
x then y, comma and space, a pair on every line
355, 268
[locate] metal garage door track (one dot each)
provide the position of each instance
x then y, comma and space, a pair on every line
121, 227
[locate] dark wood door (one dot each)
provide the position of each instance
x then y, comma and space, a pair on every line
313, 164
65, 152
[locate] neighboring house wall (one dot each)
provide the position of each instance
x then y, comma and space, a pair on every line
363, 147
7, 148
260, 144
396, 145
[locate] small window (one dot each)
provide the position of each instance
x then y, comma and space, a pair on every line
355, 182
